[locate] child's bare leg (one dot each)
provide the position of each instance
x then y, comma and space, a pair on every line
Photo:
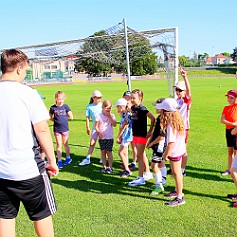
59, 146
134, 152
66, 146
44, 227
103, 157
110, 158
91, 148
7, 227
230, 157
123, 153
140, 155
178, 176
146, 163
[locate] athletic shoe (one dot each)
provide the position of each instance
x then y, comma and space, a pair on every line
67, 161
132, 166
184, 173
235, 204
232, 196
157, 190
147, 176
85, 162
171, 194
137, 182
108, 170
176, 202
125, 174
60, 164
103, 170
227, 172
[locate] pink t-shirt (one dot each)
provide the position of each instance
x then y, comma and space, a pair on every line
179, 147
184, 105
105, 127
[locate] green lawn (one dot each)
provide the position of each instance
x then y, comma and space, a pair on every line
94, 204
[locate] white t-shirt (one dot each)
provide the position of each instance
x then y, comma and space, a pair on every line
179, 147
20, 107
105, 126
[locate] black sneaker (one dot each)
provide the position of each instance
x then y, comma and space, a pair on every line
132, 166
176, 202
108, 170
125, 174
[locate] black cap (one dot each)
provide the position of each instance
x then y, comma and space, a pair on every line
127, 93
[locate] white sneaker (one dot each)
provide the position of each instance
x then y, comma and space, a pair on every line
100, 161
147, 176
137, 182
85, 162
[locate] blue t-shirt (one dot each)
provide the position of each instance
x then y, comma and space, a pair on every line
127, 133
60, 115
93, 110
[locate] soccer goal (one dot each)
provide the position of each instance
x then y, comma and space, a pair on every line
117, 47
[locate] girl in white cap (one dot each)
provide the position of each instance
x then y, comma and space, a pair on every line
172, 122
184, 100
92, 110
125, 134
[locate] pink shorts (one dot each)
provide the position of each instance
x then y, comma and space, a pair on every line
177, 158
65, 134
139, 140
94, 135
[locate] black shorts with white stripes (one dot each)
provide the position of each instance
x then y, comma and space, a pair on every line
36, 194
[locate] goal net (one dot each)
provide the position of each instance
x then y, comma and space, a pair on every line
58, 59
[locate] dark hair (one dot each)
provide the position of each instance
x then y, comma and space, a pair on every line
11, 59
58, 93
91, 100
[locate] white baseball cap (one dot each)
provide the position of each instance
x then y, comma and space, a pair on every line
96, 93
168, 104
121, 101
181, 85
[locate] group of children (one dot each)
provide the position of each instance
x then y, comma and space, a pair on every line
167, 135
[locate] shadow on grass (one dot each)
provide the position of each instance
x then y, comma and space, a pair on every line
92, 180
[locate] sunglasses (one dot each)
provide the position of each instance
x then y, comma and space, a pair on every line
178, 90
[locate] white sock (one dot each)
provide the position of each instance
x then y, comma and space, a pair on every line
88, 158
163, 171
183, 169
158, 178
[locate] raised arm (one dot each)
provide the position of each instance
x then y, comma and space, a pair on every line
186, 81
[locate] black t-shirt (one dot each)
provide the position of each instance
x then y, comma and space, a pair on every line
139, 121
157, 131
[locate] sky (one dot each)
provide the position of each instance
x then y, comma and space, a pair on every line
205, 26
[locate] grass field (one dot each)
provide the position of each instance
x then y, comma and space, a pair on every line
95, 204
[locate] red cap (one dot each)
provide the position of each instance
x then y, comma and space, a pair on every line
232, 93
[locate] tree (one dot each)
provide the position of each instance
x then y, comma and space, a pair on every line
183, 60
226, 54
234, 54
100, 55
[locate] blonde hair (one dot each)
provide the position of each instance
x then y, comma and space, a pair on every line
174, 119
106, 103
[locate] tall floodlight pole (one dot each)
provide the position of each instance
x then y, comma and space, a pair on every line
176, 59
127, 54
